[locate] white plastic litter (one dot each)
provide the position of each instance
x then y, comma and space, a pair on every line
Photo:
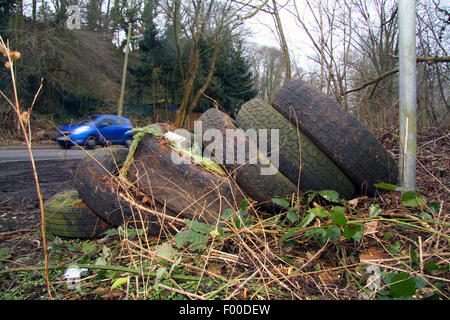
176, 138
73, 275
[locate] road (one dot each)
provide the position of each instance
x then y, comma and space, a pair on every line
20, 153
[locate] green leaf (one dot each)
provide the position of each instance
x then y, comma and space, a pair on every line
388, 236
287, 235
200, 227
433, 266
317, 233
385, 186
159, 274
425, 215
329, 195
319, 211
5, 253
309, 196
197, 240
119, 282
435, 208
374, 210
88, 248
244, 204
333, 232
228, 212
420, 282
353, 231
181, 238
402, 285
292, 216
307, 220
105, 257
166, 252
413, 199
413, 256
281, 202
395, 248
337, 216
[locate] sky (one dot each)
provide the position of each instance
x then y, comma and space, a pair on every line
264, 33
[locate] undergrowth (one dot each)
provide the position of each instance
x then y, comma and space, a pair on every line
394, 246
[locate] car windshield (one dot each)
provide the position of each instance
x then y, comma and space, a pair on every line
84, 120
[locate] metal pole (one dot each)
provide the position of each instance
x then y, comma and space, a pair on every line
124, 73
408, 92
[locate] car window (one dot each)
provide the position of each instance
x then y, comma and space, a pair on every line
108, 120
83, 120
121, 122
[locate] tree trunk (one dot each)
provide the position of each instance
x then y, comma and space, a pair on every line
283, 43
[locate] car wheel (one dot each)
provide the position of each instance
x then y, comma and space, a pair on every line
128, 142
95, 181
248, 175
66, 215
296, 151
91, 142
339, 135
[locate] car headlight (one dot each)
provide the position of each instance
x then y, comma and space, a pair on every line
81, 129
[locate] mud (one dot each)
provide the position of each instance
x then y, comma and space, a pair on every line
19, 203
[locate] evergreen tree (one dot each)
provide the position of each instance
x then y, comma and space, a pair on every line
6, 8
233, 80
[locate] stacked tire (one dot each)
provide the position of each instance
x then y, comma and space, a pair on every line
317, 146
320, 145
154, 183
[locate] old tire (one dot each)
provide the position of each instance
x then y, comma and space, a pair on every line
339, 135
318, 172
185, 188
66, 215
248, 175
94, 180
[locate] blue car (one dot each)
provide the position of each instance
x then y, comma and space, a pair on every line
96, 129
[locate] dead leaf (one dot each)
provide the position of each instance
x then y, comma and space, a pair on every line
354, 202
327, 277
370, 227
214, 268
370, 255
146, 199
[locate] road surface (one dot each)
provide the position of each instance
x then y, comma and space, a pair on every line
20, 153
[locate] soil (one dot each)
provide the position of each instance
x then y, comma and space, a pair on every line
19, 203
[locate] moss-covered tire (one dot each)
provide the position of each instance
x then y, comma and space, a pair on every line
95, 181
339, 135
186, 188
66, 215
318, 172
247, 173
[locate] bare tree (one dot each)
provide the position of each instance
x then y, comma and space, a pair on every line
195, 24
268, 68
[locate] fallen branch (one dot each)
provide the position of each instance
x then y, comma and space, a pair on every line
429, 60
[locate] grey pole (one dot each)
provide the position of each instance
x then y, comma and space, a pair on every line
408, 93
124, 73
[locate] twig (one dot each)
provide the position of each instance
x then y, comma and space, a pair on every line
434, 140
190, 295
